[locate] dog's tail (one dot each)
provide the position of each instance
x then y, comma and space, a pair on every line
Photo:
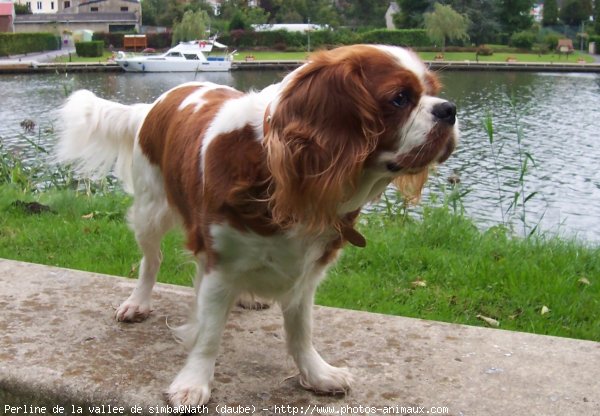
97, 135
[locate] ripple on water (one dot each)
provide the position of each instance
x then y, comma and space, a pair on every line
554, 113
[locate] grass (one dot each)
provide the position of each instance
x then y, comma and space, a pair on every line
75, 58
503, 57
429, 56
439, 267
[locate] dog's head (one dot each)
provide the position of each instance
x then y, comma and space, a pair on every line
348, 123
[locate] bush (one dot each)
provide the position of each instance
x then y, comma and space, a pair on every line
113, 38
551, 41
484, 50
91, 49
405, 37
523, 40
159, 40
284, 40
19, 43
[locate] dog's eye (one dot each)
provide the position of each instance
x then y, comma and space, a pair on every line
401, 100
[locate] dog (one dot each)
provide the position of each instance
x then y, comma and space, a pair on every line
267, 185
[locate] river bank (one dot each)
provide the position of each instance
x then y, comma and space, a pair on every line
438, 266
33, 67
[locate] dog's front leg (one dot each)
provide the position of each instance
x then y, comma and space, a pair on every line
315, 373
192, 385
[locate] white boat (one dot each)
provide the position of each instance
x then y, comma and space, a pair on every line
185, 57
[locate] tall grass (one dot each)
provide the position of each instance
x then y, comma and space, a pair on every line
517, 204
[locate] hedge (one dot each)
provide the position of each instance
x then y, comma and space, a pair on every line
405, 37
20, 43
115, 39
94, 48
284, 40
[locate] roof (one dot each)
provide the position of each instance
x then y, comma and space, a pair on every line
565, 43
6, 9
76, 17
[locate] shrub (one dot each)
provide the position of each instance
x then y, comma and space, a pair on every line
551, 40
113, 38
159, 40
283, 40
92, 49
484, 50
19, 43
405, 37
523, 40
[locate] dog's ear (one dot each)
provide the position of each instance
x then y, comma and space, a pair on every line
324, 127
411, 186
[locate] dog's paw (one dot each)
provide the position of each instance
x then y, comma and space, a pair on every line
249, 301
328, 380
131, 311
182, 394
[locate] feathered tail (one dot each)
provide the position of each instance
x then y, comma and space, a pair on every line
97, 135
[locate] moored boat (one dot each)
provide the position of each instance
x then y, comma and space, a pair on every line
185, 57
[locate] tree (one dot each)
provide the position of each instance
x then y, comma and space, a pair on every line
445, 23
597, 16
574, 12
514, 15
246, 17
484, 26
192, 26
370, 13
411, 13
22, 8
550, 13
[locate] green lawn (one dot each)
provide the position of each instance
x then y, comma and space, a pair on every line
75, 58
440, 267
448, 56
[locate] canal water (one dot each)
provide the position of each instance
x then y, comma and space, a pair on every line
552, 120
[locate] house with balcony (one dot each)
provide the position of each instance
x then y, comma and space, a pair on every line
75, 15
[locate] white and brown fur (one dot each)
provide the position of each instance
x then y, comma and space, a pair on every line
267, 185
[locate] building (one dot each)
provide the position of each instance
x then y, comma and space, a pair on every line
41, 6
101, 6
76, 15
7, 17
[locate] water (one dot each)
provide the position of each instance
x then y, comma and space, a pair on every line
555, 116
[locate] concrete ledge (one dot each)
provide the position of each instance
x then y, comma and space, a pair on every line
59, 346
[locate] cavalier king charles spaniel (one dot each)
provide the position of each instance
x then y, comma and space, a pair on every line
266, 185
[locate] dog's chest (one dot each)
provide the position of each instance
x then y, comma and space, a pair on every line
269, 264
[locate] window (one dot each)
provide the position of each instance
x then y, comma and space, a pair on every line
28, 4
124, 9
67, 4
39, 5
93, 9
51, 5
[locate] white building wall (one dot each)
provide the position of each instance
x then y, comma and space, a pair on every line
41, 6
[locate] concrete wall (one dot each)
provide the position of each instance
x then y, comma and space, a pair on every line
6, 24
61, 27
110, 6
41, 6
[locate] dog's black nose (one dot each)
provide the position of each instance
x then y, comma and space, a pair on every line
445, 112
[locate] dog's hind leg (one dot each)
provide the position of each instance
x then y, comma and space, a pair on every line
150, 218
